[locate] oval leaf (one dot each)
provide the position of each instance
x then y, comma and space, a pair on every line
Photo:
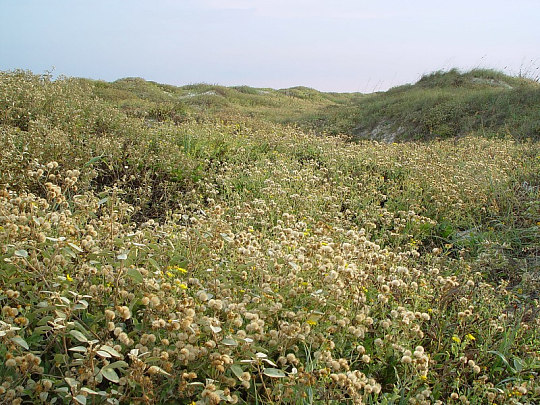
74, 246
104, 354
237, 370
229, 342
274, 373
111, 351
135, 275
110, 374
117, 364
81, 399
20, 341
78, 335
21, 253
80, 349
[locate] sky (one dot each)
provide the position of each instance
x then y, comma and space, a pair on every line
332, 45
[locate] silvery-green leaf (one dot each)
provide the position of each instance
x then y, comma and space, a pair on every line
110, 350
78, 335
215, 329
21, 253
89, 391
20, 341
81, 399
104, 354
274, 372
117, 364
74, 246
237, 370
229, 342
110, 374
226, 237
270, 362
81, 349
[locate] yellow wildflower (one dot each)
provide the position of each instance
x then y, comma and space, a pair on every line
183, 286
69, 278
456, 339
311, 322
470, 336
178, 269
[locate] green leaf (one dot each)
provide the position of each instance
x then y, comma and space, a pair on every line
229, 342
40, 330
111, 351
78, 335
60, 358
117, 364
237, 370
81, 349
90, 391
20, 341
104, 354
503, 358
74, 246
82, 304
95, 159
154, 263
69, 252
274, 372
81, 399
226, 237
135, 275
21, 253
110, 374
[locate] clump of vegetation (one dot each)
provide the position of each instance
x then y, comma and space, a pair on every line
238, 261
445, 105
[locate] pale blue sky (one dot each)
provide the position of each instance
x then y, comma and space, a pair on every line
334, 45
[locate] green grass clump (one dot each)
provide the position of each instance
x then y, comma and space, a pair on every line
229, 259
444, 105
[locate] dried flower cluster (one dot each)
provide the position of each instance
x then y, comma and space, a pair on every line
282, 267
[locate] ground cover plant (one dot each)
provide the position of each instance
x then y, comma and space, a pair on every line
235, 260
